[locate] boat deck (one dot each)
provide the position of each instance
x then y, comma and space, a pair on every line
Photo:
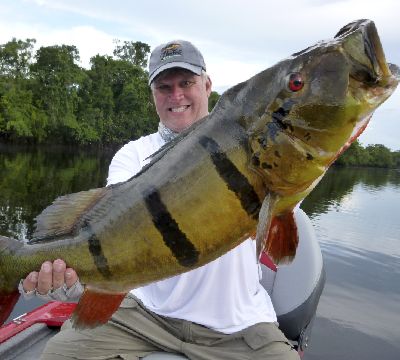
28, 344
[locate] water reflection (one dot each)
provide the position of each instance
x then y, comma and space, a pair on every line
338, 183
355, 214
333, 341
32, 178
362, 293
363, 219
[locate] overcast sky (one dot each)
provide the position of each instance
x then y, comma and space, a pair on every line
237, 38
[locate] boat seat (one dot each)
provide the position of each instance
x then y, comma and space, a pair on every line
295, 288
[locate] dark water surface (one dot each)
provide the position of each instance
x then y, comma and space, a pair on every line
355, 213
30, 179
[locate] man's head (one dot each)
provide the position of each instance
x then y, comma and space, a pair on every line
179, 84
178, 53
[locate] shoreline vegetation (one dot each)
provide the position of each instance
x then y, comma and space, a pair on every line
46, 98
377, 155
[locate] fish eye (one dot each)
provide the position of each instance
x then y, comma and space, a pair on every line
296, 82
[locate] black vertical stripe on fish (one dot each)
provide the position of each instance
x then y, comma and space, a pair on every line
183, 250
281, 113
234, 179
97, 254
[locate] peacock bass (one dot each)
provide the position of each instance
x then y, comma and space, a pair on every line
236, 173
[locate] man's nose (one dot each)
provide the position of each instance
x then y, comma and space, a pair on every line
176, 93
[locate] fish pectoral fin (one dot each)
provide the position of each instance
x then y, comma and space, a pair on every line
95, 308
282, 238
264, 222
63, 215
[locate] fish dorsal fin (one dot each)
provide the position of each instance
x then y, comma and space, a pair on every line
95, 308
282, 239
264, 221
62, 216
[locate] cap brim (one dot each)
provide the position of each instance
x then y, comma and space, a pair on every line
193, 68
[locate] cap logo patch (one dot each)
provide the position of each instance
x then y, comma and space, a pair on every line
171, 50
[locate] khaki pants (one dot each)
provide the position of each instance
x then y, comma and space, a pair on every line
134, 332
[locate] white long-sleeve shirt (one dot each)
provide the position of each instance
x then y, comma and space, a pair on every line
224, 295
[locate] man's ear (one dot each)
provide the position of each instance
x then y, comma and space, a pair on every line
208, 86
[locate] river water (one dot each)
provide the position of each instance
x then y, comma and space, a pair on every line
355, 213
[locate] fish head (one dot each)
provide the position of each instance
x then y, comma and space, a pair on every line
318, 102
345, 80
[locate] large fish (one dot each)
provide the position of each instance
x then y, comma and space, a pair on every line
238, 172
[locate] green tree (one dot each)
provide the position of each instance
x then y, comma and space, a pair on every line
96, 105
380, 156
396, 159
15, 58
212, 100
373, 155
116, 100
19, 117
134, 52
57, 80
355, 155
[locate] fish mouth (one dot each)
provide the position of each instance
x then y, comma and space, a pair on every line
373, 50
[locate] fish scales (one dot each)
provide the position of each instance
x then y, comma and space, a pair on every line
104, 243
238, 172
179, 196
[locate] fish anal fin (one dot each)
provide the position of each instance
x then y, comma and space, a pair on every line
282, 239
7, 303
61, 217
95, 308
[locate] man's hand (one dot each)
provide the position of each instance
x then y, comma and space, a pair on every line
51, 276
54, 281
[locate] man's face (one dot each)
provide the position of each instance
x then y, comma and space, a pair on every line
181, 98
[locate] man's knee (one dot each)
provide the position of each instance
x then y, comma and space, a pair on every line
268, 342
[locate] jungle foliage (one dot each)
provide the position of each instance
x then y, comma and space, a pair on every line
370, 156
46, 97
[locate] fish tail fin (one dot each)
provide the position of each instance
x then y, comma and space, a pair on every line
7, 303
8, 291
95, 308
282, 238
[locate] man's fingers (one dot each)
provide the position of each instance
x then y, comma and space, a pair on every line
45, 279
70, 277
49, 282
59, 268
30, 282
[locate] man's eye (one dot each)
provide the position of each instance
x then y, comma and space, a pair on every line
163, 87
187, 83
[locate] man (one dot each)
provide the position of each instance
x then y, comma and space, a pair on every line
218, 311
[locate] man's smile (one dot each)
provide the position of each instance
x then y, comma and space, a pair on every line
179, 108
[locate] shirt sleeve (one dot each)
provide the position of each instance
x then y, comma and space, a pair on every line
124, 165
